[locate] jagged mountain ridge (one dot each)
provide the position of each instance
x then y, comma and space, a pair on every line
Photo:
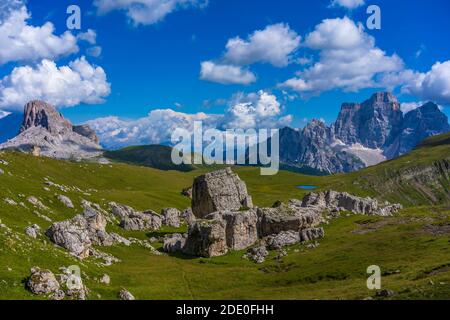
363, 134
44, 131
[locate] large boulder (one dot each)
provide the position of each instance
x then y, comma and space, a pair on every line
220, 190
42, 281
79, 233
286, 218
311, 234
282, 239
206, 238
241, 228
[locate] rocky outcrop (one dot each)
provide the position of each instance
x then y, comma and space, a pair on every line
79, 233
282, 239
188, 216
311, 234
342, 201
218, 191
286, 218
86, 131
131, 219
46, 130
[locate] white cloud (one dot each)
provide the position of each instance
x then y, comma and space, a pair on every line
89, 36
274, 45
95, 51
225, 74
348, 59
146, 12
4, 114
254, 110
433, 85
349, 4
20, 41
65, 86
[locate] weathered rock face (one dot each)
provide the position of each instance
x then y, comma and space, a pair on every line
42, 281
206, 238
282, 239
86, 131
311, 234
171, 217
241, 228
188, 216
45, 130
339, 201
219, 191
286, 218
134, 220
375, 123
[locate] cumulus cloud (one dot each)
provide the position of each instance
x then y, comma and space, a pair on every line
433, 85
348, 59
254, 110
146, 12
349, 4
64, 86
273, 45
20, 41
225, 74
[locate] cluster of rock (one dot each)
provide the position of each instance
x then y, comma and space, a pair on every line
59, 287
226, 219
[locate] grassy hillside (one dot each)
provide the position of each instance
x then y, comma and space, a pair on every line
153, 156
411, 248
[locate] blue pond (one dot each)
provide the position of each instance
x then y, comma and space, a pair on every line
307, 187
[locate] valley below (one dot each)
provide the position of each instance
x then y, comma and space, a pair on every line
411, 247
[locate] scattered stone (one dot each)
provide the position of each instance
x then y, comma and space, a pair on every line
37, 203
10, 202
221, 190
66, 201
58, 295
125, 295
33, 231
105, 279
171, 217
1, 171
42, 281
257, 254
187, 192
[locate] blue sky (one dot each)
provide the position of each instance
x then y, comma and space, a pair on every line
156, 65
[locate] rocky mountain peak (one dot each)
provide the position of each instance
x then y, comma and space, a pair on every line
46, 132
384, 97
41, 114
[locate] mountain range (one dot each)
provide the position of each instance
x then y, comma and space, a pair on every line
364, 134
